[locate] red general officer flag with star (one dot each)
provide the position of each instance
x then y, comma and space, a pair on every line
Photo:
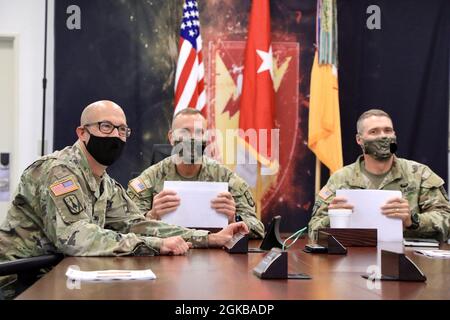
257, 105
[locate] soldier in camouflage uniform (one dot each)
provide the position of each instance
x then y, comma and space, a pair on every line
66, 203
424, 207
147, 189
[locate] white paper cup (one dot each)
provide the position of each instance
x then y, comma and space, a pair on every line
339, 218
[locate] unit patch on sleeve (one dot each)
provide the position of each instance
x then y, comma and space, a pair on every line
73, 204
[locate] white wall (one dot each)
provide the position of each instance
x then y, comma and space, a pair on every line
24, 19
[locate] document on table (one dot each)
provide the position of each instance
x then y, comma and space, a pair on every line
443, 254
367, 212
195, 204
108, 275
416, 242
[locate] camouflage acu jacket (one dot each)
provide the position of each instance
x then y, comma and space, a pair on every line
60, 207
422, 188
152, 182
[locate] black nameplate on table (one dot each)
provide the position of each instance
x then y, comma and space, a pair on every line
326, 243
315, 248
237, 244
272, 239
398, 267
274, 265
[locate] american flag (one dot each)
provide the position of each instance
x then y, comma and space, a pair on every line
60, 188
189, 79
137, 185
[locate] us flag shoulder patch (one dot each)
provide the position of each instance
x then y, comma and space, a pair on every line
63, 186
137, 185
325, 193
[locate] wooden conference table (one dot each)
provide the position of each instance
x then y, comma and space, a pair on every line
215, 274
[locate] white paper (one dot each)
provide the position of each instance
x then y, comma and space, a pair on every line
367, 212
195, 204
407, 243
108, 275
443, 254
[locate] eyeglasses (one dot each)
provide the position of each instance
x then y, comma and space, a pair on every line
107, 128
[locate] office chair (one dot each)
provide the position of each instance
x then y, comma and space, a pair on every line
159, 153
28, 269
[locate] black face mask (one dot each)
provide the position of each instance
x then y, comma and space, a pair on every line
190, 151
105, 150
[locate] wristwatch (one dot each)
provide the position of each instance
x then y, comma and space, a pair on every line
415, 222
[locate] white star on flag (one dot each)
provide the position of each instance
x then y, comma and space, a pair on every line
267, 61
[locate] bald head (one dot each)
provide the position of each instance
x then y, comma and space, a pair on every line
104, 110
102, 125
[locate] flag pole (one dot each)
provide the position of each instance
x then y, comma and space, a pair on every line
258, 191
317, 178
44, 80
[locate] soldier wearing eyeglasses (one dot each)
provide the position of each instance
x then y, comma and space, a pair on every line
67, 203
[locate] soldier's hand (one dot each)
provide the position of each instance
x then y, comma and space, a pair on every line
223, 236
174, 246
398, 208
164, 202
340, 203
224, 203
